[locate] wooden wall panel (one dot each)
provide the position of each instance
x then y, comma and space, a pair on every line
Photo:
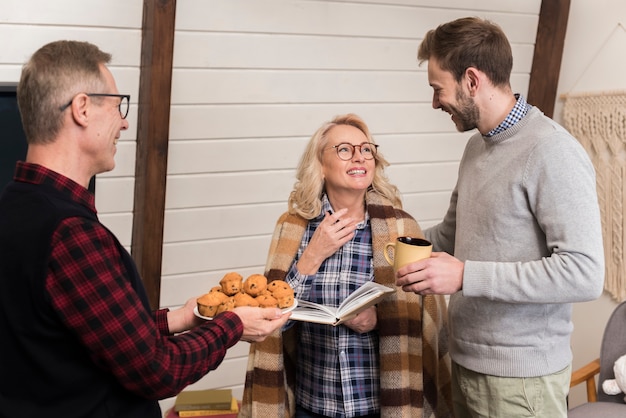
78, 13
224, 254
228, 189
114, 194
223, 86
453, 6
236, 155
422, 147
124, 158
305, 52
123, 44
219, 222
331, 18
284, 120
228, 155
427, 208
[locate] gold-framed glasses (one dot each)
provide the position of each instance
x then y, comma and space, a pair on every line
345, 150
122, 107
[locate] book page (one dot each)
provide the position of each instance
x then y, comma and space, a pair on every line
314, 312
365, 296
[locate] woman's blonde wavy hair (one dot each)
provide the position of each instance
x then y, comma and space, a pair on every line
306, 197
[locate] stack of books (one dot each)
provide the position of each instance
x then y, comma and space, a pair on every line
214, 403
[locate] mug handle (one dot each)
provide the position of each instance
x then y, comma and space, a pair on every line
386, 252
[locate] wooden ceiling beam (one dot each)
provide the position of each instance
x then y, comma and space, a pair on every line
155, 84
546, 68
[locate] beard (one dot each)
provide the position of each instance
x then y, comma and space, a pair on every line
465, 112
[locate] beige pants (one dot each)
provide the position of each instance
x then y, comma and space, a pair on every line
477, 395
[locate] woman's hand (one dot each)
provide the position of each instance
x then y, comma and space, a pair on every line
364, 321
332, 233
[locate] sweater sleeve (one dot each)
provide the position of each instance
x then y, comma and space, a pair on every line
564, 261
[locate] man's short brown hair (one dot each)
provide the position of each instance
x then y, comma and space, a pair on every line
469, 42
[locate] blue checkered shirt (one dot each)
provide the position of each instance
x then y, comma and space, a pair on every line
338, 370
515, 115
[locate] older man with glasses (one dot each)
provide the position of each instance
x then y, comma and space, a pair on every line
78, 336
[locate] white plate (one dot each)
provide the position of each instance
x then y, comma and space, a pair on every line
208, 318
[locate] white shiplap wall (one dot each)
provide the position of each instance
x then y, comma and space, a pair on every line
253, 79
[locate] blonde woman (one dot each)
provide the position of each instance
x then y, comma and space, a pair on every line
388, 361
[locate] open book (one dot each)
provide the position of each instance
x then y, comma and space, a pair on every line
365, 296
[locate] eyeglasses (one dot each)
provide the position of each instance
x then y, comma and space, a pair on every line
122, 107
345, 151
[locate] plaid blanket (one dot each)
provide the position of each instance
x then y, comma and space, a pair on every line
414, 361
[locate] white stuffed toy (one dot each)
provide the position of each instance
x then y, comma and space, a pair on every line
617, 385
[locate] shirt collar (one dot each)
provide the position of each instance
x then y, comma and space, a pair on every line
517, 113
327, 208
38, 174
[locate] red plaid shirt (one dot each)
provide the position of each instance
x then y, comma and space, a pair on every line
89, 289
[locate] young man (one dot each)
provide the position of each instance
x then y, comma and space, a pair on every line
78, 337
523, 227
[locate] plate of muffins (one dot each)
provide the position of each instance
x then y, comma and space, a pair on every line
233, 291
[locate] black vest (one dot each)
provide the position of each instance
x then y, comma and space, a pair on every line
44, 371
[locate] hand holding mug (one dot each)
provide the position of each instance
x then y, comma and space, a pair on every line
440, 274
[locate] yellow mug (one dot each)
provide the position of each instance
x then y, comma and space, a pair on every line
407, 250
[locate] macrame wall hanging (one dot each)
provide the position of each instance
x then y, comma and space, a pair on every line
598, 121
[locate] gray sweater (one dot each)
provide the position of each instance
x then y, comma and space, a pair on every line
524, 218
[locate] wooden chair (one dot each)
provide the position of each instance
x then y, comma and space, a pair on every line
599, 404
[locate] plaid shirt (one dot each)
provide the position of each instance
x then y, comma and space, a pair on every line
338, 369
515, 115
89, 288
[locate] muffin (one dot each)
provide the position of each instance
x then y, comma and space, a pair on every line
282, 292
233, 292
255, 285
231, 283
208, 304
217, 289
266, 300
244, 299
227, 305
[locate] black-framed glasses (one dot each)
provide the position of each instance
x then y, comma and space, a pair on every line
345, 150
123, 106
